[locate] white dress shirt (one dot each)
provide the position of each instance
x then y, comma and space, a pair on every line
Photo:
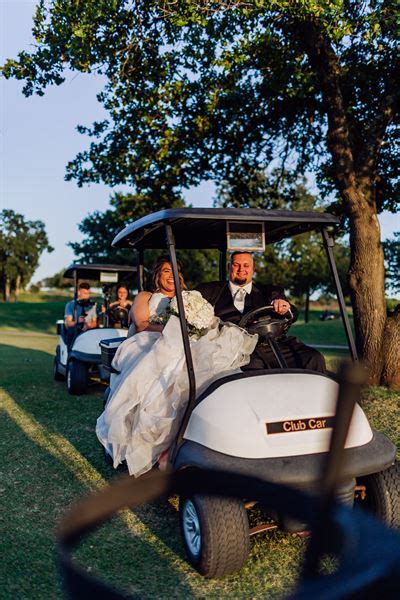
238, 296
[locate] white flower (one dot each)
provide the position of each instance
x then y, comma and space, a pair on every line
199, 313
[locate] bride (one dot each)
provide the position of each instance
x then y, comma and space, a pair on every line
148, 399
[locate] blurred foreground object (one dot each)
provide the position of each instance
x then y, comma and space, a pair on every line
367, 553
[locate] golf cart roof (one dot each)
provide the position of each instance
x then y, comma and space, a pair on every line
206, 227
92, 271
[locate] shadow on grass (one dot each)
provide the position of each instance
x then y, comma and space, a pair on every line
55, 458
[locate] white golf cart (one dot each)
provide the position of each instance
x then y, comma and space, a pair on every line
272, 424
78, 355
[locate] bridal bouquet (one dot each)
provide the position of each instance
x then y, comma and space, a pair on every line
198, 312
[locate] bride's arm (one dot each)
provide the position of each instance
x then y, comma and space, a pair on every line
141, 313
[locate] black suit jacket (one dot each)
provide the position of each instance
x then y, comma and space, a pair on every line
219, 295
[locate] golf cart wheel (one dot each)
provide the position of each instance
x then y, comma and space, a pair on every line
382, 495
77, 378
215, 533
56, 373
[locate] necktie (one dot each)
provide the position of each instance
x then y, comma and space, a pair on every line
238, 301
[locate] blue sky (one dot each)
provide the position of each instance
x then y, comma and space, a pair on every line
38, 138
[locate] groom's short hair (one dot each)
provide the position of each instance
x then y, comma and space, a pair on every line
232, 256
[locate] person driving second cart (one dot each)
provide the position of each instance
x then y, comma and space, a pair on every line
118, 310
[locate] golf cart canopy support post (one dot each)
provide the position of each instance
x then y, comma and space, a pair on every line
185, 335
75, 296
328, 243
222, 265
140, 270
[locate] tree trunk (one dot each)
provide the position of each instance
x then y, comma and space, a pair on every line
17, 288
391, 350
366, 279
7, 288
307, 306
354, 169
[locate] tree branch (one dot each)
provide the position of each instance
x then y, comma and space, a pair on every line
326, 63
376, 132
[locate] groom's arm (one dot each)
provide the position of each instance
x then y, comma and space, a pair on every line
276, 292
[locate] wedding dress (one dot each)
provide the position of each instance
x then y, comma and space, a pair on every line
144, 409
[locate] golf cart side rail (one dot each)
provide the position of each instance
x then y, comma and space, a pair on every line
328, 244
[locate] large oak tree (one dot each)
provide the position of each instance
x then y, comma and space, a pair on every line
21, 244
215, 89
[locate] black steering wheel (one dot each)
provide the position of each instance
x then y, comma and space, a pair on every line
266, 322
119, 314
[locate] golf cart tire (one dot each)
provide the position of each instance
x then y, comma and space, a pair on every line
57, 376
77, 378
223, 527
383, 495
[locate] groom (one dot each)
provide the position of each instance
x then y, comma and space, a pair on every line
234, 298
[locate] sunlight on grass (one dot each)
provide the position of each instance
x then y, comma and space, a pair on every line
54, 444
61, 449
53, 458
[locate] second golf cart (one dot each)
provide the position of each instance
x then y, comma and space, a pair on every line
274, 424
78, 356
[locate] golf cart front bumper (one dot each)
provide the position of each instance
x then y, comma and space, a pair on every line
377, 455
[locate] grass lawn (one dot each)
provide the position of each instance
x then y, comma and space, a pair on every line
320, 332
51, 457
34, 312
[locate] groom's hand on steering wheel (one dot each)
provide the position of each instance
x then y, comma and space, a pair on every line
281, 306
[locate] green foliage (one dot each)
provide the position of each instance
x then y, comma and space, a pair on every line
392, 303
391, 248
210, 89
21, 244
300, 264
57, 281
100, 228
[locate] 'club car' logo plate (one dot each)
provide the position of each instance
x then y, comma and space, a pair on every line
295, 425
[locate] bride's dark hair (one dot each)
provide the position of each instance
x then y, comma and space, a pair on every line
157, 272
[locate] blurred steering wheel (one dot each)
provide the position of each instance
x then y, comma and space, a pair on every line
266, 322
119, 314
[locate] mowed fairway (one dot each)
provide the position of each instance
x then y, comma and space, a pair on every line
50, 457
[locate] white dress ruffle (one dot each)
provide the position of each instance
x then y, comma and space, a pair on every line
148, 400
